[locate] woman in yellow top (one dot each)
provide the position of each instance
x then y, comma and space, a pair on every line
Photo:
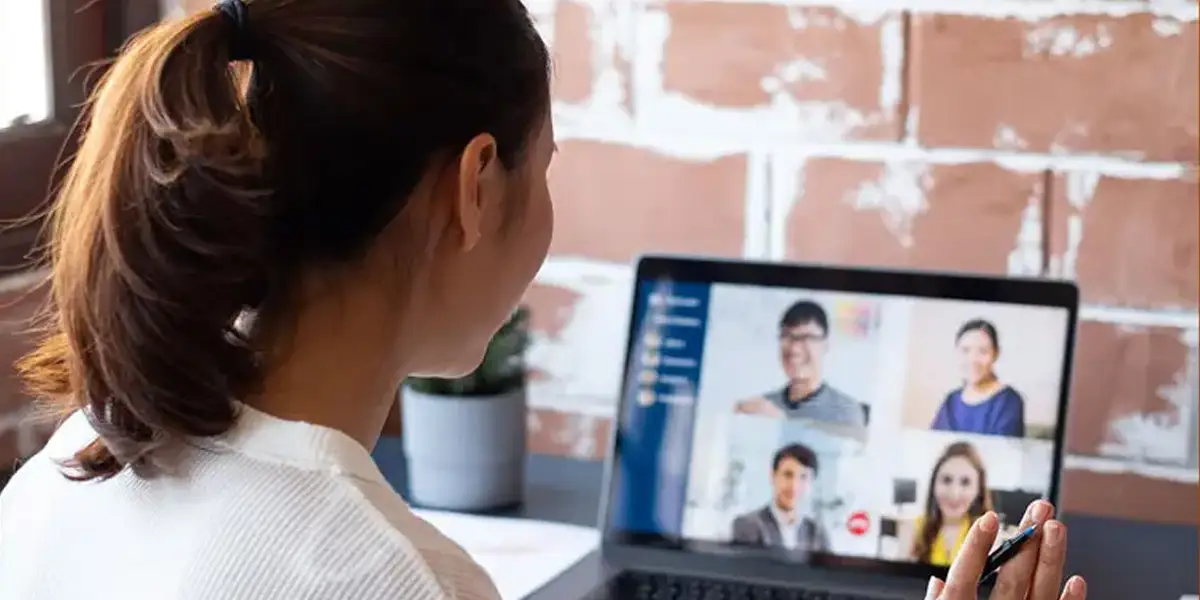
958, 495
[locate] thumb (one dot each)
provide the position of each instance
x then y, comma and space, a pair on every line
935, 588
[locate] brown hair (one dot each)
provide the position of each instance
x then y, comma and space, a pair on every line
197, 194
923, 542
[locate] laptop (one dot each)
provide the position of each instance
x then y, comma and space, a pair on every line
789, 431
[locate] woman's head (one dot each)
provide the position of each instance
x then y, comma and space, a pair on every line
385, 157
958, 491
978, 346
958, 484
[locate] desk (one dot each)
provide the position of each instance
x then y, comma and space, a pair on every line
1122, 560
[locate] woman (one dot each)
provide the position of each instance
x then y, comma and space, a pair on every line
241, 276
958, 495
983, 404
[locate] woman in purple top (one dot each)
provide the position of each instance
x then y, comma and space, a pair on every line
983, 404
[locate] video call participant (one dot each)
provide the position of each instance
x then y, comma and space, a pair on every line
779, 524
803, 344
957, 496
983, 404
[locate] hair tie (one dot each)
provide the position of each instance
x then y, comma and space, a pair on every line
239, 17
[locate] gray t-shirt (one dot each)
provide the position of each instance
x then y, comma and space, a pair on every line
827, 405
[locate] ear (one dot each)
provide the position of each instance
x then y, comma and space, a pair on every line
480, 185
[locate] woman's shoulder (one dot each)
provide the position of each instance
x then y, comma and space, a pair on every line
1010, 393
73, 432
442, 559
359, 535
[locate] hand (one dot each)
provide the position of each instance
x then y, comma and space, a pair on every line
760, 407
1034, 574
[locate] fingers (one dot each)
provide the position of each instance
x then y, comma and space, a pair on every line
1076, 589
935, 589
1047, 576
963, 579
1013, 581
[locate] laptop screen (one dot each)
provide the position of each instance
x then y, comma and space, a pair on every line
816, 425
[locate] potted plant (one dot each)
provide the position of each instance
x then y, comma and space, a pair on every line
464, 439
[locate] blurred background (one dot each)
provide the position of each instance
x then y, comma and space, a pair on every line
1043, 138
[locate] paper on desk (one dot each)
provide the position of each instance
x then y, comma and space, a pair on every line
520, 555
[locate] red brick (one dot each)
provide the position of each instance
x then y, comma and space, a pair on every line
1069, 84
1127, 241
550, 308
951, 217
1122, 371
574, 61
613, 202
580, 58
741, 54
1129, 496
575, 435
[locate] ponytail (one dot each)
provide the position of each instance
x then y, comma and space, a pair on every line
158, 241
198, 197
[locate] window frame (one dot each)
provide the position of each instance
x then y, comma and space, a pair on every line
82, 34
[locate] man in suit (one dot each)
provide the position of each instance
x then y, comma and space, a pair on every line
779, 524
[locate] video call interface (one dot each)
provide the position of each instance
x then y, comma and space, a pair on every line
813, 423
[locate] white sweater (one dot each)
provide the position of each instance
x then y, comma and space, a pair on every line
273, 510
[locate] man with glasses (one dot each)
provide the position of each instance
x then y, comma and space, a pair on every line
803, 343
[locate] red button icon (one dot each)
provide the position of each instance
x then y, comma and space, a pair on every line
858, 523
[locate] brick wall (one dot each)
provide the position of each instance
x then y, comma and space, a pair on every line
1054, 138
1033, 137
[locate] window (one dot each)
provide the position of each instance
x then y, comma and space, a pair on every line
22, 64
46, 47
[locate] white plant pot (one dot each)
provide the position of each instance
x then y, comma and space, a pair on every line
464, 453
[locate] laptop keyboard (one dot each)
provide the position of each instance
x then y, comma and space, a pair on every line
632, 585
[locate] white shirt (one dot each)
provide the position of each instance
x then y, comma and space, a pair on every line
272, 510
789, 526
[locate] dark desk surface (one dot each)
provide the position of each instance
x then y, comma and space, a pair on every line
1122, 560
